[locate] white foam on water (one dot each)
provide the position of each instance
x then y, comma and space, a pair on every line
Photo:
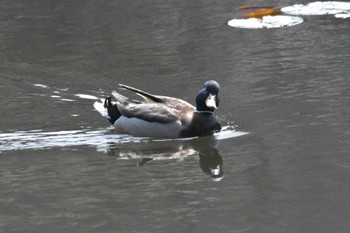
40, 85
67, 100
85, 96
342, 15
317, 8
277, 21
55, 96
226, 134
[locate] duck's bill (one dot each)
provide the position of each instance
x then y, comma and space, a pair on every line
211, 101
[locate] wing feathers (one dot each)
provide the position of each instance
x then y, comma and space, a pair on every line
151, 112
155, 108
142, 93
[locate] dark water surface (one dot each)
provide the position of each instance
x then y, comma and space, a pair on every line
63, 170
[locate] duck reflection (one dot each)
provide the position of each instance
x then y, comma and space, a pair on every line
211, 163
210, 160
146, 151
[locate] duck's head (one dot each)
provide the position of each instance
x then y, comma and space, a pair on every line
208, 97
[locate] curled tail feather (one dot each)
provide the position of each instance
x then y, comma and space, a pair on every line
108, 109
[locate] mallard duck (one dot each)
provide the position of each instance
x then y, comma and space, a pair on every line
162, 116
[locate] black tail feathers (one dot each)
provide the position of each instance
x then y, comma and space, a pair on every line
112, 110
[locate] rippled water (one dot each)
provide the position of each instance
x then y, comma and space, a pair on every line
281, 163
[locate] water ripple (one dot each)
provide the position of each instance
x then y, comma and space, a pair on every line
101, 138
24, 140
